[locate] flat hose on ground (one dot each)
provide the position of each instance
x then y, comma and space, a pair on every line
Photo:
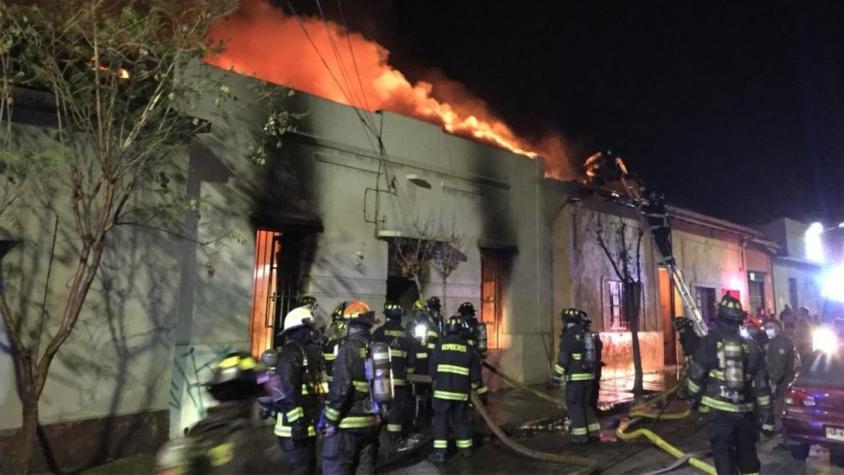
540, 394
589, 465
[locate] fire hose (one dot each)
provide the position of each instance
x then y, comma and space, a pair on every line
540, 394
639, 412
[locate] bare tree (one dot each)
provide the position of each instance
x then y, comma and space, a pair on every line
113, 73
446, 256
622, 244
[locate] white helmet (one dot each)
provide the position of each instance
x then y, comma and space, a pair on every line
298, 317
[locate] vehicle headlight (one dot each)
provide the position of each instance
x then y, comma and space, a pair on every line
825, 340
420, 330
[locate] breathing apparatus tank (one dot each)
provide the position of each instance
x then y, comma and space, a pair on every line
379, 374
589, 353
483, 338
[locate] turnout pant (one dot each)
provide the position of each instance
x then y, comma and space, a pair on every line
732, 438
350, 451
584, 423
422, 404
454, 414
299, 455
398, 419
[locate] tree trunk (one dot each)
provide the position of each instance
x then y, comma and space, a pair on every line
28, 432
632, 303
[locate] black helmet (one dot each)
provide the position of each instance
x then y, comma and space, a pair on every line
466, 309
308, 301
573, 315
235, 378
454, 325
392, 310
729, 309
337, 313
681, 323
434, 304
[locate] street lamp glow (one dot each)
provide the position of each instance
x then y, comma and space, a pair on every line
825, 340
813, 242
832, 284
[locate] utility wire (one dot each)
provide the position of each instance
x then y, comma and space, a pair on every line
364, 123
355, 63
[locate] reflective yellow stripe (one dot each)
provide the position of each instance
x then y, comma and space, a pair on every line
767, 427
356, 422
229, 362
580, 377
398, 353
431, 346
454, 369
726, 406
286, 431
399, 382
578, 431
464, 443
693, 387
331, 413
329, 356
432, 333
717, 374
393, 427
594, 427
329, 378
421, 355
320, 388
764, 400
577, 356
396, 333
361, 386
294, 414
440, 444
454, 347
559, 369
451, 396
482, 390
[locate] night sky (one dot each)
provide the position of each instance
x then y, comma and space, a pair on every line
734, 110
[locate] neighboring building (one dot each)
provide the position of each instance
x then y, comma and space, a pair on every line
716, 257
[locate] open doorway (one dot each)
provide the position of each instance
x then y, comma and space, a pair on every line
400, 288
276, 284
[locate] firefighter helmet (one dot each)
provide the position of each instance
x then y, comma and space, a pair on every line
308, 301
235, 378
357, 311
419, 305
466, 309
270, 358
337, 313
434, 304
454, 325
392, 310
573, 315
297, 318
729, 309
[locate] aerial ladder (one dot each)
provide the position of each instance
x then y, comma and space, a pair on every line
608, 167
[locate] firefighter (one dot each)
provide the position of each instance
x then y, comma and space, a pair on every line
402, 359
656, 214
579, 361
435, 311
227, 440
455, 370
780, 361
334, 335
350, 422
728, 376
599, 349
558, 373
689, 340
423, 340
467, 313
300, 374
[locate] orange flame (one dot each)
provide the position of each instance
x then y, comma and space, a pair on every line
261, 40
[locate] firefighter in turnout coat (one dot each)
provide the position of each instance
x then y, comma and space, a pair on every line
728, 376
350, 423
579, 361
455, 369
300, 373
402, 360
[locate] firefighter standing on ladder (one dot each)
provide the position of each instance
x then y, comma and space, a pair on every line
579, 363
728, 376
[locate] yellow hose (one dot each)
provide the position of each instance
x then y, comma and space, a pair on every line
662, 444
